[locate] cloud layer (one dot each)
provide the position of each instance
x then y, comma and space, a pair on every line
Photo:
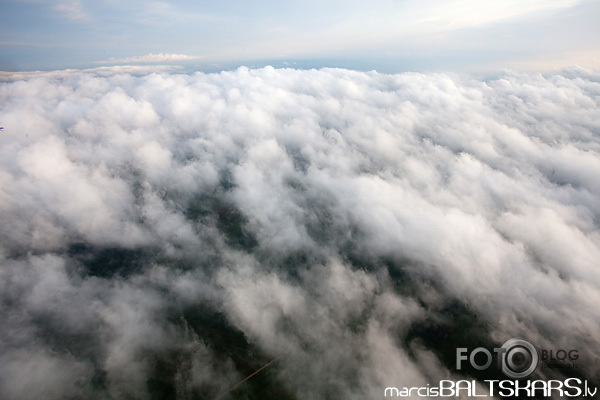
150, 58
166, 235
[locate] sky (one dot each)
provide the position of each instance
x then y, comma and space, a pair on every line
389, 36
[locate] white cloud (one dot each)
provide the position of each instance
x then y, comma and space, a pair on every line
150, 58
589, 59
6, 76
458, 14
352, 224
69, 9
72, 9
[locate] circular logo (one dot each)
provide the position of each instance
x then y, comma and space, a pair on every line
519, 358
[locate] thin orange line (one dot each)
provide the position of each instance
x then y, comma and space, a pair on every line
248, 377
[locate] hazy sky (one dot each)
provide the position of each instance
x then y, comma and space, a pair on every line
387, 35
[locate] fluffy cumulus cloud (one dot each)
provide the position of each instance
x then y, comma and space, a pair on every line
166, 235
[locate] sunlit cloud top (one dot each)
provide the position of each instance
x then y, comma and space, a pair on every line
388, 35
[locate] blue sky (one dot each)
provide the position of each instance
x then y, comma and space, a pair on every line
391, 35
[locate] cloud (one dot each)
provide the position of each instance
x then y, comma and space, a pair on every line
69, 9
150, 58
6, 76
461, 14
168, 234
584, 59
72, 9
